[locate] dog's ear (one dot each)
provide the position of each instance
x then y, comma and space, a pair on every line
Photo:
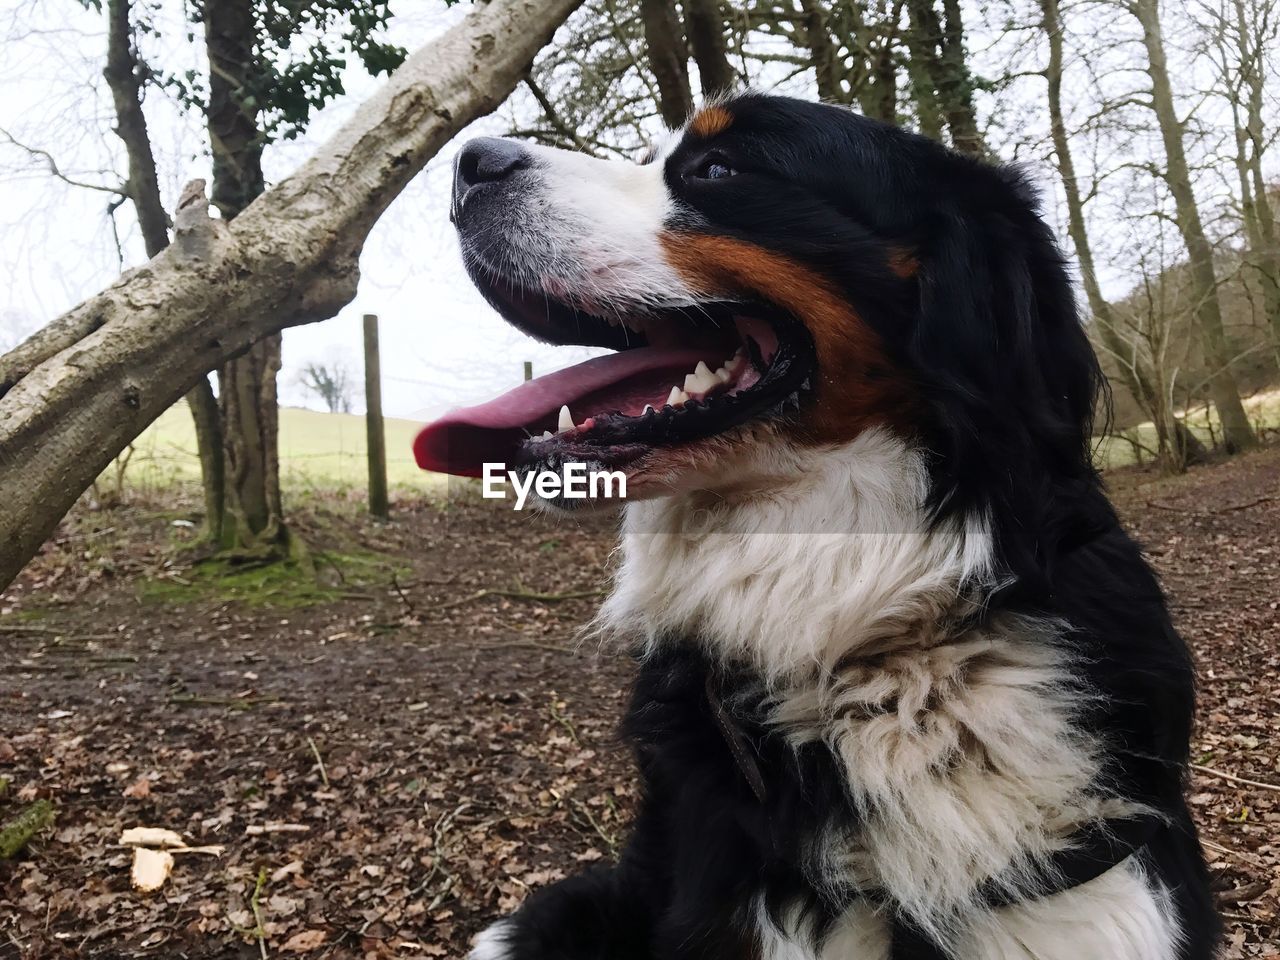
1008, 368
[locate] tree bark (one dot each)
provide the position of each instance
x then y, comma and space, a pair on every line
668, 59
1236, 432
75, 394
248, 403
1186, 447
928, 74
1260, 220
704, 24
879, 97
823, 50
955, 85
124, 78
922, 66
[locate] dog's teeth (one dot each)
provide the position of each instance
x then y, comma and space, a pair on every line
566, 420
703, 378
648, 408
723, 375
677, 398
546, 435
691, 383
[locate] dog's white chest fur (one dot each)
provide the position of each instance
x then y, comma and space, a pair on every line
1119, 916
959, 743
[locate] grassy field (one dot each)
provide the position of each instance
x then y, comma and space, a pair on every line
317, 450
327, 450
1263, 409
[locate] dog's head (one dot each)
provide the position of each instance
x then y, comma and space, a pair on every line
777, 270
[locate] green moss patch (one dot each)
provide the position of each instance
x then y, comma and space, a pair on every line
325, 578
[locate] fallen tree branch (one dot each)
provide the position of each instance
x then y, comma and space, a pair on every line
1223, 775
74, 395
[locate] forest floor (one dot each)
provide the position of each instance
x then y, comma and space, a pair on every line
395, 751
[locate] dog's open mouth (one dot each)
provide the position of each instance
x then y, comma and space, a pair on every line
676, 376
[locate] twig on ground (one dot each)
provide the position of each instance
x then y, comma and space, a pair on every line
259, 929
315, 751
1244, 506
1227, 851
611, 841
521, 594
55, 632
404, 597
534, 644
1234, 779
258, 829
235, 703
564, 721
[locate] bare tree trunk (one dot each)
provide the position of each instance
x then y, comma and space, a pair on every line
668, 60
1236, 431
213, 465
878, 96
250, 415
922, 66
123, 74
75, 394
1260, 220
704, 23
955, 85
926, 39
1187, 447
823, 50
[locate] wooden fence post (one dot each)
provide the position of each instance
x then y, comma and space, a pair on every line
377, 439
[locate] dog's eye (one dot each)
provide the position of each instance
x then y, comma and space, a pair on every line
713, 168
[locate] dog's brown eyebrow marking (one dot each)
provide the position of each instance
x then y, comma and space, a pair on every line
710, 120
904, 263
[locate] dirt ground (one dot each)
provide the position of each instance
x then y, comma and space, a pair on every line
395, 751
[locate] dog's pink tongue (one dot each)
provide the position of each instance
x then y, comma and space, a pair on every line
462, 441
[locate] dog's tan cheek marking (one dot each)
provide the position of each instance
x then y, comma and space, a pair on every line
709, 121
857, 383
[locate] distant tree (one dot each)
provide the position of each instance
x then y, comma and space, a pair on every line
1135, 348
1239, 38
261, 86
1237, 433
331, 383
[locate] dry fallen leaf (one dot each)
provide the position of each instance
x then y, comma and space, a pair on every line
140, 789
151, 868
291, 869
305, 942
152, 837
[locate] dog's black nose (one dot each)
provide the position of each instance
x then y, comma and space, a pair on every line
487, 160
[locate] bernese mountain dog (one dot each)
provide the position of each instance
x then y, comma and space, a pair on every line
906, 689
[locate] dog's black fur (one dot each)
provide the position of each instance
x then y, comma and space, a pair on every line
990, 337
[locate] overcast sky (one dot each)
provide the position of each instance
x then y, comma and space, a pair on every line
442, 345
